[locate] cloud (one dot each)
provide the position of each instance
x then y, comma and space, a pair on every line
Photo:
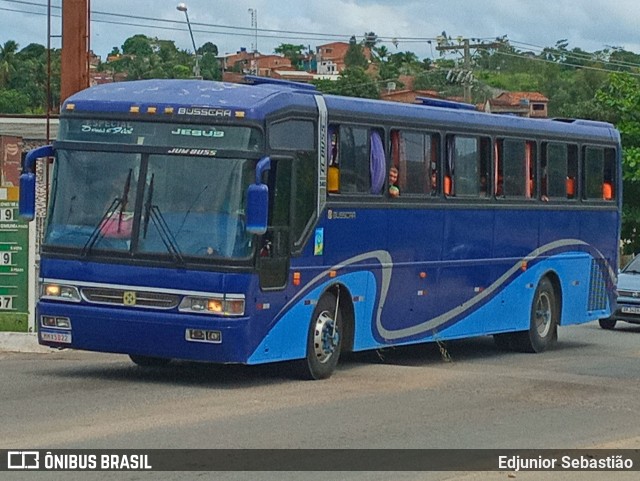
587, 24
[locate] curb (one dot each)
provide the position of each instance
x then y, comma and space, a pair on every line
21, 342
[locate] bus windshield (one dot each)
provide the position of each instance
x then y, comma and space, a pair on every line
150, 204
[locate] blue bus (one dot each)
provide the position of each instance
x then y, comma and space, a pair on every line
265, 221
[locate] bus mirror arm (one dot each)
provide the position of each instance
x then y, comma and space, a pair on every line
258, 200
27, 200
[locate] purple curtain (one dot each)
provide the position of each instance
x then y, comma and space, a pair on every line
377, 164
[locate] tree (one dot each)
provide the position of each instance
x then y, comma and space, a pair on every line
621, 99
208, 48
380, 54
210, 67
352, 82
7, 61
354, 57
295, 53
13, 102
407, 63
33, 51
139, 45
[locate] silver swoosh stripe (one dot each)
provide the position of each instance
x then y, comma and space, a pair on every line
387, 267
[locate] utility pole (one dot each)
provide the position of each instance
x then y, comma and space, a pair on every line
465, 45
75, 47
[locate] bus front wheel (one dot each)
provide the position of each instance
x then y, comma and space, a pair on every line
543, 326
324, 340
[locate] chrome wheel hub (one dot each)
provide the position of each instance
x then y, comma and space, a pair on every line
543, 315
325, 338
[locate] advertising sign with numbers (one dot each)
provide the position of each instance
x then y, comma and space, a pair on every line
14, 258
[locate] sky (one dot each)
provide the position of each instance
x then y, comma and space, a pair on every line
530, 25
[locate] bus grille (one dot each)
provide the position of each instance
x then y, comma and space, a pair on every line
597, 286
123, 297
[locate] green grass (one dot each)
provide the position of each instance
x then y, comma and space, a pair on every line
14, 322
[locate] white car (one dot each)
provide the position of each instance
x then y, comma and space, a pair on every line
628, 303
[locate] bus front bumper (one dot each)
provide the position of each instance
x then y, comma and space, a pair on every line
164, 334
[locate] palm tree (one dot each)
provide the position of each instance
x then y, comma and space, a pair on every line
381, 53
7, 61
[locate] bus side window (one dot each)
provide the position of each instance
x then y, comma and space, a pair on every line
415, 155
609, 186
599, 173
468, 160
361, 161
559, 164
515, 168
333, 171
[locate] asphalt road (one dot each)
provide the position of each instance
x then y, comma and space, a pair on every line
584, 393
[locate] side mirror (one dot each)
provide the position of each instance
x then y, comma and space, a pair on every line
258, 200
27, 200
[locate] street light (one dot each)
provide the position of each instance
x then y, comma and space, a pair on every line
182, 7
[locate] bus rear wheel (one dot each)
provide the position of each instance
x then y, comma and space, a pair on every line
148, 361
324, 340
543, 327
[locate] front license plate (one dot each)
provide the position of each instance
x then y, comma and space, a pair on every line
631, 310
62, 337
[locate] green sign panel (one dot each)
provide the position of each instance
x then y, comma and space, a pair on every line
14, 261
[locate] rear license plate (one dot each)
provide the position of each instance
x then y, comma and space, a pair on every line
631, 310
61, 337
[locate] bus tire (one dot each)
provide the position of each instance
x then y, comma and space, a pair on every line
148, 361
608, 323
323, 341
543, 326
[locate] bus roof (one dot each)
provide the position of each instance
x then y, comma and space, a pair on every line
265, 96
254, 101
462, 118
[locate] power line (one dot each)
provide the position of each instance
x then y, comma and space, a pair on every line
577, 55
280, 33
563, 64
287, 34
311, 36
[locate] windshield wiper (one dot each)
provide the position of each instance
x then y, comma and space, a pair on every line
125, 198
152, 212
98, 232
117, 203
186, 215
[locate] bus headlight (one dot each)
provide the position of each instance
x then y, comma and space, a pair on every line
59, 292
227, 305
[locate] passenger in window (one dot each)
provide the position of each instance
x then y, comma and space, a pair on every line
394, 191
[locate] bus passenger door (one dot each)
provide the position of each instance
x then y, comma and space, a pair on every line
273, 260
275, 245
